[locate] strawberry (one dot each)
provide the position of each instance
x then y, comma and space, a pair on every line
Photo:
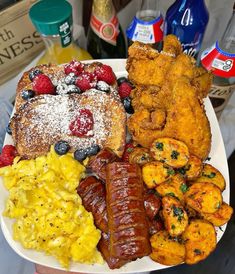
7, 156
74, 66
42, 84
85, 81
106, 74
83, 123
124, 90
128, 149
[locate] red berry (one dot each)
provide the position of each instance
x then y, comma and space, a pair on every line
85, 81
128, 149
7, 156
83, 123
42, 84
124, 90
106, 74
74, 66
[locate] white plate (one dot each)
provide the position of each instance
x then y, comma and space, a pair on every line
218, 160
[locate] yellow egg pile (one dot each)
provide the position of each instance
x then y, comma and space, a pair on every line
48, 212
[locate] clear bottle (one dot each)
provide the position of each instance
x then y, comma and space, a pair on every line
187, 19
220, 60
53, 20
105, 38
147, 25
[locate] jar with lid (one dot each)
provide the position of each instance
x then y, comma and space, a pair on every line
53, 20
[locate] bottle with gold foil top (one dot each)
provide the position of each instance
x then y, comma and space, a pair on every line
53, 20
105, 38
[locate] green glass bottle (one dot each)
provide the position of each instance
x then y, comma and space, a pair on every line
105, 38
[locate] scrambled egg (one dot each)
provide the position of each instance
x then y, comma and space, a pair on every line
48, 211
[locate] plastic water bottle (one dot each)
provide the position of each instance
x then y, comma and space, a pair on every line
147, 25
187, 19
5, 113
220, 60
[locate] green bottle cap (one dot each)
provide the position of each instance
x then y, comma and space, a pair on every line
51, 17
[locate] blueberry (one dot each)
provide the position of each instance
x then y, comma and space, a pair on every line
34, 73
103, 86
62, 147
92, 150
127, 105
70, 79
27, 94
8, 129
80, 154
73, 89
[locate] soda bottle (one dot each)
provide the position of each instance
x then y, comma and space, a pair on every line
187, 19
147, 25
53, 20
220, 60
105, 38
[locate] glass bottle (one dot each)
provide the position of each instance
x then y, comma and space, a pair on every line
220, 60
187, 19
105, 38
53, 20
147, 25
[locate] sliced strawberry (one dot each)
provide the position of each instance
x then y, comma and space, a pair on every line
106, 74
83, 124
124, 90
7, 156
42, 84
128, 149
74, 66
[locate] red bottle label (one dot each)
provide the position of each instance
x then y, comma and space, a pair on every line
107, 31
217, 61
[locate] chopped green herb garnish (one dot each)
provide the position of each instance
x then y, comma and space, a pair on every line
217, 206
172, 194
159, 146
211, 175
173, 227
183, 187
170, 171
197, 251
177, 211
130, 149
175, 154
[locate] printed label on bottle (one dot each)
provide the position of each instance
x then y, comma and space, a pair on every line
191, 49
147, 32
107, 31
218, 61
65, 34
219, 96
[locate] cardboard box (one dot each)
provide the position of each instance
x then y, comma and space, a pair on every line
19, 41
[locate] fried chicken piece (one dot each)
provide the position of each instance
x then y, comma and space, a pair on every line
185, 119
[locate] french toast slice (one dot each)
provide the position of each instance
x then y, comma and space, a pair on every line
46, 119
57, 75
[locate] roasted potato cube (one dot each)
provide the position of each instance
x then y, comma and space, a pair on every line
139, 156
200, 240
170, 151
211, 175
204, 197
174, 215
192, 213
192, 169
166, 250
175, 186
221, 216
155, 173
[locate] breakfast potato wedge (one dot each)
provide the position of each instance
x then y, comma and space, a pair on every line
221, 216
170, 151
192, 213
155, 173
193, 169
166, 250
174, 215
175, 186
204, 197
200, 240
211, 175
140, 156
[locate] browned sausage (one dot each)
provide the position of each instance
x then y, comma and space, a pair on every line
127, 220
103, 247
93, 195
152, 204
98, 163
155, 225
